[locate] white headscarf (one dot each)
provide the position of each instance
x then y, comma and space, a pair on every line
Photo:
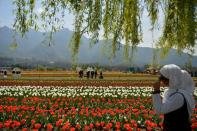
181, 81
188, 83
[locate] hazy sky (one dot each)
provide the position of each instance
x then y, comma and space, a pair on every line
7, 19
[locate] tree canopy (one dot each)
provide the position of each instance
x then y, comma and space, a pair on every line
120, 20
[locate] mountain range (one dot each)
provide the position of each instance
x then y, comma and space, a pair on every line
34, 47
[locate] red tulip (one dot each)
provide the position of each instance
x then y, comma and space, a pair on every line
33, 122
72, 129
1, 125
91, 125
118, 125
52, 113
194, 125
16, 123
142, 107
23, 121
108, 126
193, 120
86, 128
98, 124
66, 126
20, 115
127, 127
59, 122
78, 126
161, 124
7, 124
135, 110
149, 128
37, 125
49, 127
24, 129
102, 123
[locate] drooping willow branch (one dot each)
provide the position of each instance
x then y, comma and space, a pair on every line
179, 26
119, 19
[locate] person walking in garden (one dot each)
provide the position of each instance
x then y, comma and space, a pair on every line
178, 101
95, 73
101, 74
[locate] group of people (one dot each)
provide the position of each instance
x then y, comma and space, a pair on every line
178, 101
89, 73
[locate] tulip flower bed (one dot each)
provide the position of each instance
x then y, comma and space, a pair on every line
63, 83
79, 108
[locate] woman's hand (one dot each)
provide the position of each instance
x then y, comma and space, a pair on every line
156, 86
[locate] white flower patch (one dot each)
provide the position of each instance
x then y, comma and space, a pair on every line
76, 91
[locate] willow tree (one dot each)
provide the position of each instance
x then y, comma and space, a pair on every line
120, 20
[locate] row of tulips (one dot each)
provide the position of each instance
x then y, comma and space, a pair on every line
79, 108
63, 83
74, 91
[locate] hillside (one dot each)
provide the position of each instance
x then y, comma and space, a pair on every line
32, 49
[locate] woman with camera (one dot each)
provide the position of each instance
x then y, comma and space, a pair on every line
178, 101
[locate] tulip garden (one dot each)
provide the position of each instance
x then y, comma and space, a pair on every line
76, 108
